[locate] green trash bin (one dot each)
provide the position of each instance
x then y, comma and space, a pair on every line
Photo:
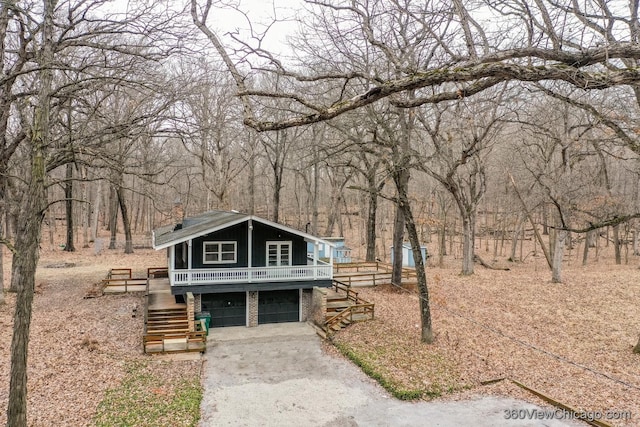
206, 316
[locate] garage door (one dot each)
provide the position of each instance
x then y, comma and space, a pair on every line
278, 306
228, 309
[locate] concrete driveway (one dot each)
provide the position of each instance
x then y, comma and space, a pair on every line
278, 375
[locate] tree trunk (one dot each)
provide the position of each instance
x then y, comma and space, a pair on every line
334, 208
3, 216
315, 214
86, 212
276, 198
636, 248
128, 238
68, 204
514, 239
442, 242
468, 243
426, 335
113, 216
558, 255
52, 228
585, 253
1, 268
617, 244
371, 227
96, 212
27, 241
398, 240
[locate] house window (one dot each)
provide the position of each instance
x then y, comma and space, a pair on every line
278, 253
219, 253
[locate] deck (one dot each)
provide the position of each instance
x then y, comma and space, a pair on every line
360, 274
159, 297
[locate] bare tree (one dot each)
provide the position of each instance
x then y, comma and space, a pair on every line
461, 53
54, 30
213, 130
462, 136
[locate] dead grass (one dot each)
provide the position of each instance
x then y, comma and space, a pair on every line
573, 341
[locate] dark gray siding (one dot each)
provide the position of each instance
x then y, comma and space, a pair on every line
263, 233
236, 233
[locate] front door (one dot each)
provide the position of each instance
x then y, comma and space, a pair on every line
278, 254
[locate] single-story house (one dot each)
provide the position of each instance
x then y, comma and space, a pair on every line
340, 252
242, 269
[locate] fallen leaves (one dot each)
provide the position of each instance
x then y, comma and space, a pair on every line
79, 348
516, 324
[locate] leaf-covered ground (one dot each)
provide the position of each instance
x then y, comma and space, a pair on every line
496, 324
571, 341
82, 350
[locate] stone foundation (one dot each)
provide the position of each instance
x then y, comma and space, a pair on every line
252, 308
305, 309
318, 306
197, 303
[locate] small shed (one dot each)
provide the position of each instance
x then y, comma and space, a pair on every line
407, 255
341, 252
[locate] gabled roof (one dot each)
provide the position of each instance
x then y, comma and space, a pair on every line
213, 221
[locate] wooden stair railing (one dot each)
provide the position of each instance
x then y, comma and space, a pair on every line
357, 309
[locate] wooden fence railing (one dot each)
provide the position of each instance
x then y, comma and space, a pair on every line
368, 273
365, 309
157, 272
121, 280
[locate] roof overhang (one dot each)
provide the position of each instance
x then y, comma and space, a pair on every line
201, 229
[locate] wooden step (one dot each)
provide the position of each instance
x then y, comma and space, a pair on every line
179, 325
338, 304
173, 329
164, 316
167, 311
167, 322
330, 314
168, 331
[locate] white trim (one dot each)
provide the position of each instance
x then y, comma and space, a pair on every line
279, 244
306, 236
172, 260
220, 252
249, 243
190, 254
255, 274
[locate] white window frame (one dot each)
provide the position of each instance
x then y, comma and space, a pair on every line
219, 252
279, 244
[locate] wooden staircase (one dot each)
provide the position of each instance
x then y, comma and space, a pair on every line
166, 324
345, 307
168, 320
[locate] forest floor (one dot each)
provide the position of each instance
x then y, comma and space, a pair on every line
80, 350
571, 341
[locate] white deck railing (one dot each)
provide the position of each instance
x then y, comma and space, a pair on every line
254, 274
